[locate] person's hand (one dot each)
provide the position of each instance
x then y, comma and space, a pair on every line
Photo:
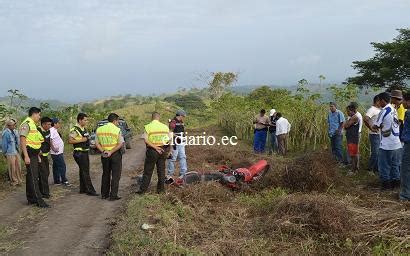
159, 150
39, 159
108, 153
27, 160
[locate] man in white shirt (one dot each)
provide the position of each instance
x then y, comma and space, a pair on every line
390, 145
57, 154
374, 135
282, 130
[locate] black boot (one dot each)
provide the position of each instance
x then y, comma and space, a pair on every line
395, 184
386, 185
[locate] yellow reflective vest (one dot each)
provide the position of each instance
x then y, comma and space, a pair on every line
108, 136
34, 138
158, 133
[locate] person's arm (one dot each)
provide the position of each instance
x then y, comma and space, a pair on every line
149, 144
52, 140
118, 146
378, 124
354, 119
341, 123
72, 138
4, 143
24, 149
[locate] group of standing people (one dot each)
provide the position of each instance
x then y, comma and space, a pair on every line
388, 121
274, 128
36, 142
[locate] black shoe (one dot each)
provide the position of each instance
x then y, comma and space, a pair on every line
104, 197
31, 202
43, 205
45, 196
82, 192
140, 192
395, 184
114, 198
386, 185
93, 194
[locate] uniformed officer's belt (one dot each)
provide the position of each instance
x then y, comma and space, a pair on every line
32, 151
163, 147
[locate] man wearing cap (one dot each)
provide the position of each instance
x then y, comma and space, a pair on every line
157, 139
176, 125
31, 140
44, 170
10, 148
261, 123
396, 101
272, 132
57, 154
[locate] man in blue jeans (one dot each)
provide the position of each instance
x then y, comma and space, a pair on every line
57, 154
390, 145
374, 134
335, 120
405, 164
261, 124
176, 125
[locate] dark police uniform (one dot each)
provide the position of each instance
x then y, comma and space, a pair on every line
44, 170
82, 159
34, 139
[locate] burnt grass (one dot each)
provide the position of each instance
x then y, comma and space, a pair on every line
303, 205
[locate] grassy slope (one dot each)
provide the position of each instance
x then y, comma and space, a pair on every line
314, 211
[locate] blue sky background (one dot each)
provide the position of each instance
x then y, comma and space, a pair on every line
85, 49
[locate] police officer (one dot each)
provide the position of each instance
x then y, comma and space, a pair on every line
109, 142
176, 125
157, 139
79, 137
31, 140
44, 170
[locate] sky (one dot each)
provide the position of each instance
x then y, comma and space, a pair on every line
78, 50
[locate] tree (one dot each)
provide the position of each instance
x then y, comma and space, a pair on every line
16, 101
321, 79
219, 82
389, 67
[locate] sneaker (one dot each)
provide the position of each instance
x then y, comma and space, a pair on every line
67, 184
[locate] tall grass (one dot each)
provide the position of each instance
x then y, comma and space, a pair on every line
306, 112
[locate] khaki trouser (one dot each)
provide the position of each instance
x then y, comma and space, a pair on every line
16, 177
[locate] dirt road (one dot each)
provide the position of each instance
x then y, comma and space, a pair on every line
75, 225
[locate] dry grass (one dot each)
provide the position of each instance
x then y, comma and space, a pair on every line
291, 211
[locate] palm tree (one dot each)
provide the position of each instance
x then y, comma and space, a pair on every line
321, 78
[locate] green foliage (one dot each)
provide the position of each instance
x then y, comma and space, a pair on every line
187, 102
390, 67
219, 82
307, 116
262, 200
345, 94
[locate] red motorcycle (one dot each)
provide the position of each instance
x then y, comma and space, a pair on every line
234, 179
